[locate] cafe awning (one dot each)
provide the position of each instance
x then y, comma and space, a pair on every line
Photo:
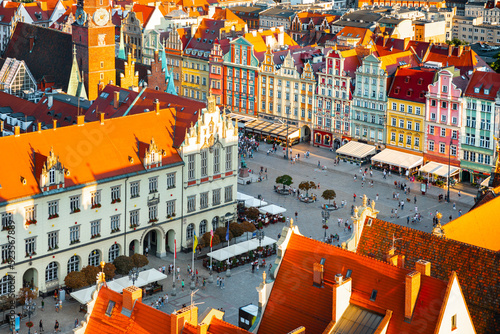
439, 169
254, 202
241, 118
273, 129
272, 209
398, 159
240, 248
357, 150
242, 197
146, 277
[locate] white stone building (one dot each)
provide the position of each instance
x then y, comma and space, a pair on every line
86, 193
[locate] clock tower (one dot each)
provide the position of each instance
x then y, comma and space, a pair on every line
94, 39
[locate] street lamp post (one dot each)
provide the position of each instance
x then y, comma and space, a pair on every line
133, 275
260, 236
326, 215
287, 126
29, 307
449, 167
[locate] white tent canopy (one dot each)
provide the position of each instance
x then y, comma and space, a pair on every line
242, 197
237, 249
146, 277
272, 209
398, 159
254, 202
356, 150
439, 169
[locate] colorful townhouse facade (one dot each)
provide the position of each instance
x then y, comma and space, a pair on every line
333, 101
480, 121
406, 105
369, 102
443, 118
240, 71
286, 89
216, 75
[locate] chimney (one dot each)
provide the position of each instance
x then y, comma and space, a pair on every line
460, 50
54, 124
187, 314
202, 328
39, 127
100, 87
318, 271
412, 287
101, 117
406, 42
80, 119
116, 99
386, 38
1, 127
157, 106
281, 36
50, 101
130, 296
423, 267
450, 50
17, 131
389, 255
341, 296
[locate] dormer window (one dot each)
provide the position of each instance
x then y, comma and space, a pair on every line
476, 89
407, 79
53, 172
152, 155
420, 81
52, 176
396, 91
486, 91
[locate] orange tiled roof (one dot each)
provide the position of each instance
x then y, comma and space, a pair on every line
411, 85
294, 301
143, 320
477, 268
143, 13
363, 34
218, 326
259, 41
466, 229
108, 148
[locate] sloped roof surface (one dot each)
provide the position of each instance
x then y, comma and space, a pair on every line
114, 143
477, 268
294, 301
484, 80
49, 54
221, 327
411, 85
143, 320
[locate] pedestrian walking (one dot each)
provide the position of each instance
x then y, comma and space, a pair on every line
60, 305
415, 199
319, 164
354, 198
146, 251
223, 282
296, 214
40, 325
416, 209
218, 281
396, 213
407, 220
459, 213
43, 304
318, 185
454, 206
56, 327
76, 322
376, 197
182, 284
57, 306
459, 194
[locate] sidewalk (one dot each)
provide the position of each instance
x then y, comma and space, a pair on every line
326, 158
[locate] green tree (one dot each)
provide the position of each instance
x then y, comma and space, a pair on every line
285, 180
236, 229
221, 232
139, 260
329, 195
248, 227
252, 213
90, 274
496, 64
123, 264
306, 186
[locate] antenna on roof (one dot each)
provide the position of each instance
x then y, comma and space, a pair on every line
192, 303
394, 240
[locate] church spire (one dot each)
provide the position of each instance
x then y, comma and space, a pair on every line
75, 85
170, 82
164, 60
121, 50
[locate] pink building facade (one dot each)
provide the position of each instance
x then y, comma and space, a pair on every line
444, 106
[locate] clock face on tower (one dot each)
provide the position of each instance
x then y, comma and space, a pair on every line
101, 17
80, 16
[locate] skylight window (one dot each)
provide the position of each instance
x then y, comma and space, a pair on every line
109, 309
348, 274
373, 295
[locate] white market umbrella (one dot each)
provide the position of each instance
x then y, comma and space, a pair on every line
272, 209
254, 202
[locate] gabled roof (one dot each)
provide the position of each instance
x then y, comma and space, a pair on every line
477, 268
466, 228
392, 61
204, 37
484, 81
115, 151
218, 326
411, 85
143, 13
143, 320
187, 110
294, 301
258, 39
8, 12
36, 13
463, 58
363, 34
45, 51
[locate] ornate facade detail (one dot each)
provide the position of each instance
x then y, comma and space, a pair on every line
52, 173
152, 155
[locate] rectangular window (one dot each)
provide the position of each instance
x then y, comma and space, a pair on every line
53, 209
401, 124
134, 189
204, 200
115, 194
410, 109
216, 196
443, 132
134, 218
5, 258
393, 136
402, 107
416, 142
444, 104
216, 160
454, 322
53, 240
7, 220
431, 145
417, 126
454, 134
170, 180
433, 116
171, 208
153, 213
417, 110
408, 140
408, 125
191, 174
153, 184
453, 150
191, 203
443, 118
74, 234
30, 246
115, 223
401, 138
393, 121
229, 154
394, 106
228, 194
442, 148
95, 229
204, 155
30, 213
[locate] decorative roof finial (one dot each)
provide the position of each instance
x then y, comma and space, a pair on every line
291, 222
264, 277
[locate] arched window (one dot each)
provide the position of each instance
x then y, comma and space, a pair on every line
203, 227
190, 231
114, 252
51, 272
74, 264
4, 284
215, 223
94, 258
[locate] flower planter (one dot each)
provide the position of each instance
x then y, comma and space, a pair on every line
95, 206
54, 216
76, 210
116, 201
31, 222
